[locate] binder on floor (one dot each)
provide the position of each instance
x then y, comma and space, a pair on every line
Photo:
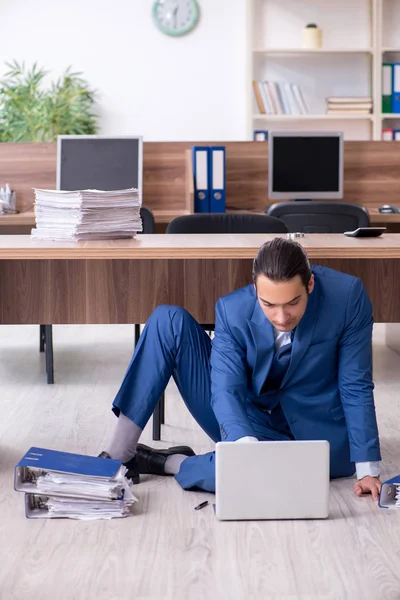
201, 166
39, 506
387, 86
389, 496
217, 179
396, 88
39, 462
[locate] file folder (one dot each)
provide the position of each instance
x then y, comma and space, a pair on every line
201, 166
218, 179
38, 461
260, 135
389, 496
387, 135
396, 88
38, 506
387, 85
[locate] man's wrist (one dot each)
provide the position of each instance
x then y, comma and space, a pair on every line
368, 469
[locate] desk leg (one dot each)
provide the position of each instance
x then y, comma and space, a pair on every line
49, 353
42, 337
392, 335
158, 418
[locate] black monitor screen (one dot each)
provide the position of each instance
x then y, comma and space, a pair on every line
306, 164
99, 163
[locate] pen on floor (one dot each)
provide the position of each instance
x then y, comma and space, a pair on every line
201, 505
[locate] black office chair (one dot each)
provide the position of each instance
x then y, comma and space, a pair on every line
320, 217
46, 331
226, 223
215, 223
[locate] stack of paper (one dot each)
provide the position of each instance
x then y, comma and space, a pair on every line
354, 105
75, 486
86, 214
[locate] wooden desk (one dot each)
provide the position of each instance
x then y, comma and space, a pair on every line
18, 224
391, 221
122, 281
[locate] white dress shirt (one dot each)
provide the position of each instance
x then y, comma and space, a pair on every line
371, 468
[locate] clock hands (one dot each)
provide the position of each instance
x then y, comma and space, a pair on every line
175, 15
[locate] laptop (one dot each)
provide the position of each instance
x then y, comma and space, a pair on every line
272, 480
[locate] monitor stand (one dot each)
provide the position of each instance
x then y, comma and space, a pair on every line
302, 200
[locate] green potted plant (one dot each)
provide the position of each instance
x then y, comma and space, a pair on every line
31, 113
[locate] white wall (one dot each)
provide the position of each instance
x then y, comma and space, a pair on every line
184, 89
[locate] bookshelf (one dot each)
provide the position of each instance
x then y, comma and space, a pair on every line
358, 36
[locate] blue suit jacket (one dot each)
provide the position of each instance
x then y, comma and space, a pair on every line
327, 392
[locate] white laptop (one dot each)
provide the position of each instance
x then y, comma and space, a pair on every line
272, 480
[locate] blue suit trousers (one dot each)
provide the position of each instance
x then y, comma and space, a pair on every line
173, 344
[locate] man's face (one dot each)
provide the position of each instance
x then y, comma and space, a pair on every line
284, 302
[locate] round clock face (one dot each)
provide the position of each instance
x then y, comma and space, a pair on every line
176, 17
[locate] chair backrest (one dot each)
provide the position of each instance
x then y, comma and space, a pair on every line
320, 217
226, 223
147, 220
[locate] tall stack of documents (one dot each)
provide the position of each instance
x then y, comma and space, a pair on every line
74, 486
86, 214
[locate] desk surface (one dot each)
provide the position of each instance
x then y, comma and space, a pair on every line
196, 246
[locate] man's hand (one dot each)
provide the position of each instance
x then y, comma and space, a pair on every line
368, 485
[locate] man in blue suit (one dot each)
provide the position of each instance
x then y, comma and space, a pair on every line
290, 360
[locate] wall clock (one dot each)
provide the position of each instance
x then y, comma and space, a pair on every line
176, 17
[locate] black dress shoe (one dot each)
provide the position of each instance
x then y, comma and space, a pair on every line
131, 465
152, 461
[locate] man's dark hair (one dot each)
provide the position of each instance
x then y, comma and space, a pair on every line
281, 260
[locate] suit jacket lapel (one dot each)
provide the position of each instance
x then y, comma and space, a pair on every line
264, 341
304, 332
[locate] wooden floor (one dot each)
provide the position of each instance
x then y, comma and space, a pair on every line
167, 549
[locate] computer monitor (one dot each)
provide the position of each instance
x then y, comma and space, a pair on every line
99, 162
305, 166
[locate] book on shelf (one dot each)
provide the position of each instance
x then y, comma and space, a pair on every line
279, 98
354, 105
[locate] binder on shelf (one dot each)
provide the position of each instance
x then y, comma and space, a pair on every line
396, 88
387, 135
40, 461
387, 86
389, 496
201, 167
217, 179
260, 135
396, 135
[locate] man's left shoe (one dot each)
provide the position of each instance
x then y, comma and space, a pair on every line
152, 461
131, 465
